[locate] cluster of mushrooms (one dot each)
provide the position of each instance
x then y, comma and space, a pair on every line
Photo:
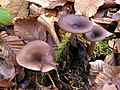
76, 24
39, 56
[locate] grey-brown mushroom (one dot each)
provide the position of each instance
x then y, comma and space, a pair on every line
75, 24
36, 55
97, 33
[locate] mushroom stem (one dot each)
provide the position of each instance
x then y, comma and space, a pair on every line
51, 79
91, 48
72, 41
49, 29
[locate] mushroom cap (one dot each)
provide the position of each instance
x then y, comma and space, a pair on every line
97, 33
75, 23
36, 55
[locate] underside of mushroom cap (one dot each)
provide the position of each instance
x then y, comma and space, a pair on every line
36, 55
75, 23
97, 33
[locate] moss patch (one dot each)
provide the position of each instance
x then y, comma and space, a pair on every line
102, 48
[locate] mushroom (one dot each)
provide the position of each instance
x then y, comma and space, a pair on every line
36, 55
75, 24
97, 33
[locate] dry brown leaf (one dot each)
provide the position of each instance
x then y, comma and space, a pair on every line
35, 9
7, 70
17, 8
97, 67
110, 59
116, 81
107, 74
102, 20
4, 3
115, 44
10, 46
29, 29
40, 10
109, 87
87, 8
50, 4
5, 83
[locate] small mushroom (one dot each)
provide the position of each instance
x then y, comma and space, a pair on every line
97, 33
36, 55
75, 24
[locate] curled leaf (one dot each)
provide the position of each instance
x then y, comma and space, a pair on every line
87, 8
50, 4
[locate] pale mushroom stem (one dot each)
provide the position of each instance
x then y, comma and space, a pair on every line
72, 41
49, 29
51, 79
91, 48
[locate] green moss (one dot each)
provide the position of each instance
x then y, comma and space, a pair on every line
62, 47
102, 48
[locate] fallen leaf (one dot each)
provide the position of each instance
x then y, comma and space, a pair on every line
29, 29
102, 20
5, 83
10, 46
87, 8
17, 8
116, 81
4, 3
115, 44
109, 87
107, 74
35, 9
50, 4
40, 10
7, 70
110, 59
97, 67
